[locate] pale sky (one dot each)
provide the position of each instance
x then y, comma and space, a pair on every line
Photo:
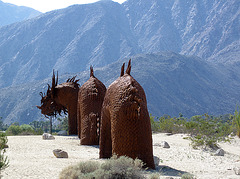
48, 5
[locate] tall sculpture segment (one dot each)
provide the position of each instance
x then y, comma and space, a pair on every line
62, 98
125, 123
90, 99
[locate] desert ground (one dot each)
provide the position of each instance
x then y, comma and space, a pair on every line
31, 157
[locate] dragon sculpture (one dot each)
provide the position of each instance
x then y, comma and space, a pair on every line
62, 98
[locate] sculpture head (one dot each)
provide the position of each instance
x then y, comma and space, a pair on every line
49, 106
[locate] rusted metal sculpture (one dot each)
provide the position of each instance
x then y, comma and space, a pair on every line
62, 98
125, 123
90, 99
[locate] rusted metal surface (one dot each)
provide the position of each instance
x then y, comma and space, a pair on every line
125, 123
90, 99
61, 98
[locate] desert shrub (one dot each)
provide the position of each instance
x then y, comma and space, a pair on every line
187, 176
26, 129
3, 159
236, 121
154, 124
206, 131
154, 176
13, 130
84, 170
168, 124
122, 167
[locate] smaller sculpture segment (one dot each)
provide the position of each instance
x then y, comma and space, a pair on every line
90, 99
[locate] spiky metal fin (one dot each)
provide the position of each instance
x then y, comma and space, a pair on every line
71, 79
122, 69
41, 94
129, 67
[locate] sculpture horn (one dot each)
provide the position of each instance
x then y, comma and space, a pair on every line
53, 80
91, 71
57, 79
122, 69
129, 67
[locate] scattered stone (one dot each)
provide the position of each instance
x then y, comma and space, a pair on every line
62, 133
60, 153
156, 160
169, 178
157, 144
219, 152
236, 170
47, 136
165, 145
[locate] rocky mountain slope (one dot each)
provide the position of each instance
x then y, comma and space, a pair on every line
11, 13
104, 34
173, 84
71, 39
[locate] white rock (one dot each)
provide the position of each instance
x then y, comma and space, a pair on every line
236, 170
47, 136
60, 153
219, 152
165, 145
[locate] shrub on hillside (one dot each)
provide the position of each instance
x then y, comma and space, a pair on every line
122, 167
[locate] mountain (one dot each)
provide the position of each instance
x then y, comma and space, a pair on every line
100, 33
11, 13
198, 73
68, 40
205, 28
173, 84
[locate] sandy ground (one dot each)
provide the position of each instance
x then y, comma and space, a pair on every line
31, 157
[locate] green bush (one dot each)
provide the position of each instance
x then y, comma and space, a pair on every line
187, 176
236, 121
122, 167
168, 124
3, 159
204, 130
208, 131
13, 130
26, 129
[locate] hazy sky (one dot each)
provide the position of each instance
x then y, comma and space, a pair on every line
48, 5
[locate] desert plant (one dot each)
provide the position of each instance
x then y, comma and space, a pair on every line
26, 129
237, 121
13, 130
204, 130
187, 176
122, 167
154, 176
3, 159
208, 131
154, 124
